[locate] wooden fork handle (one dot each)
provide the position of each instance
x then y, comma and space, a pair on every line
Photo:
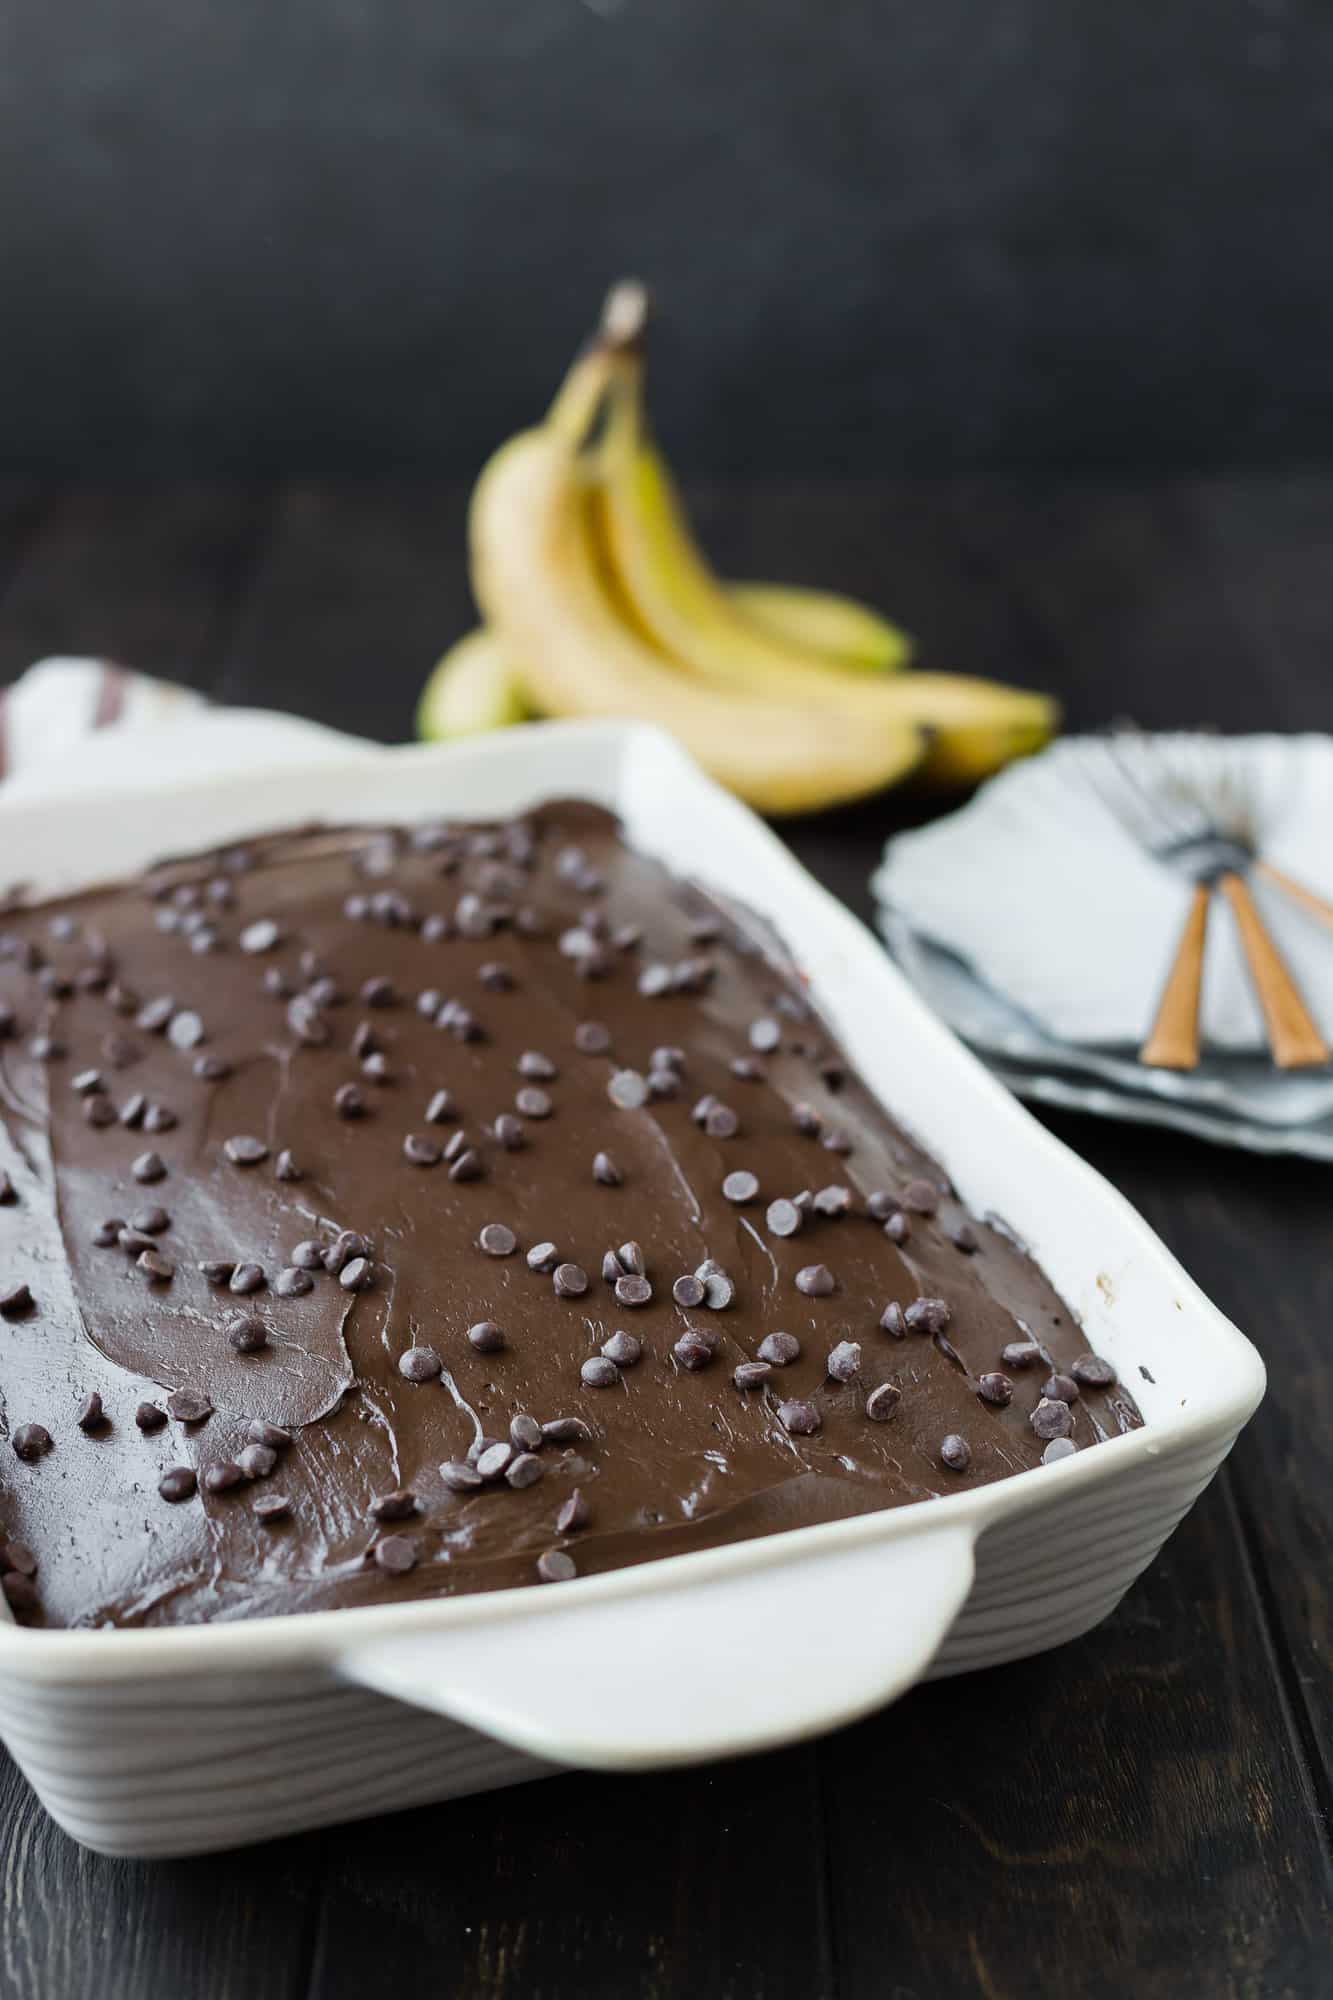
1314, 906
1173, 1039
1295, 1041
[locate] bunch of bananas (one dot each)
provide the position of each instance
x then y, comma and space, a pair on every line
597, 601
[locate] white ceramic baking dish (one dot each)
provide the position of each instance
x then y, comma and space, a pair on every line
176, 1741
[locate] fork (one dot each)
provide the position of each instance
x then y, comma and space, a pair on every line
1214, 857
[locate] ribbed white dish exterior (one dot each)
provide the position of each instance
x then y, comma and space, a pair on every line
175, 1742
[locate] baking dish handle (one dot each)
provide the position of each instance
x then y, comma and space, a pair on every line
677, 1671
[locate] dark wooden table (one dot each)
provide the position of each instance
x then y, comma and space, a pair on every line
1145, 1813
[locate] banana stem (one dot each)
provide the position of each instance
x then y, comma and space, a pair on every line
581, 394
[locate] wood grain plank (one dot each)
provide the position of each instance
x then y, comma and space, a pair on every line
141, 576
692, 1883
359, 592
1125, 1815
78, 1924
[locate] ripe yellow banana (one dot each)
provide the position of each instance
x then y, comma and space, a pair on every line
838, 629
536, 580
675, 601
472, 689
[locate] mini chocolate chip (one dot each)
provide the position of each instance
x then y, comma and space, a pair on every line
306, 1021
784, 1218
259, 936
667, 1057
691, 1351
882, 1402
99, 1112
703, 1107
246, 1333
246, 1278
152, 1220
1057, 1449
524, 1470
156, 1267
543, 1257
567, 1430
132, 1111
293, 1283
623, 1349
271, 1435
525, 1433
486, 1336
807, 1120
285, 1167
779, 1348
149, 1167
554, 1566
492, 1461
765, 1035
532, 1102
844, 1361
1021, 1354
599, 1373
570, 1281
1052, 1418
628, 1090
573, 1515
257, 1460
605, 1171
536, 1067
108, 1232
893, 1320
880, 1205
836, 1142
31, 1442
632, 1290
752, 1374
420, 1364
800, 1418
1090, 1371
920, 1197
898, 1228
719, 1291
815, 1281
189, 1406
178, 1482
1063, 1387
740, 1186
149, 1417
159, 1118
955, 1452
15, 1299
688, 1292
270, 1507
995, 1389
349, 1101
356, 1276
964, 1237
186, 1030
467, 1166
133, 1241
833, 1201
154, 1015
87, 1083
345, 1246
928, 1316
379, 992
497, 1239
420, 1152
222, 1476
45, 1048
721, 1122
397, 1554
508, 1132
591, 1038
398, 1506
460, 1478
212, 1068
747, 1069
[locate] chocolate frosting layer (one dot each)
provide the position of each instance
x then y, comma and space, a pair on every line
542, 1082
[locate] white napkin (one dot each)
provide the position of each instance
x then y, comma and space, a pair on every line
1043, 886
74, 724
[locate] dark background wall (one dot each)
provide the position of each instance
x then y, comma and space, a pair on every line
346, 235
